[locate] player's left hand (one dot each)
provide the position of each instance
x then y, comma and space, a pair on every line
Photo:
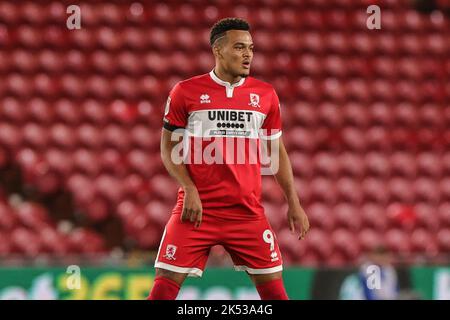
298, 218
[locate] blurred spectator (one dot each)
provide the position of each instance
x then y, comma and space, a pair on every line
378, 276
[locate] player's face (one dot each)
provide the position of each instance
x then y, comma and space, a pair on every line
237, 53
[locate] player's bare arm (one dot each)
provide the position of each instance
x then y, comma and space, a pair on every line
297, 217
192, 206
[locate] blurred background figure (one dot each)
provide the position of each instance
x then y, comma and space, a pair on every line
378, 276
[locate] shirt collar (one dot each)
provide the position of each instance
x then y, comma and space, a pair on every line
224, 83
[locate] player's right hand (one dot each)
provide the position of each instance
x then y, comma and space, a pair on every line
192, 207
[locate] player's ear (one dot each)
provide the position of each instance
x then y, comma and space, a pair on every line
217, 51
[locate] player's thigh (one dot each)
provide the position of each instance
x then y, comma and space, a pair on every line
174, 276
263, 278
253, 247
185, 249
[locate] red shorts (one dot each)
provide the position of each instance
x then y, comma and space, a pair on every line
252, 245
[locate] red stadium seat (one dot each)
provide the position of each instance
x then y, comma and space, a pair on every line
426, 217
63, 136
429, 165
40, 110
337, 43
26, 242
59, 161
426, 189
140, 162
24, 61
431, 116
374, 216
423, 241
289, 244
351, 164
112, 161
349, 190
370, 239
19, 85
116, 137
346, 243
413, 21
271, 191
443, 240
403, 164
380, 114
6, 247
35, 136
301, 139
402, 216
89, 136
54, 242
10, 136
50, 61
45, 86
129, 63
445, 189
33, 215
322, 189
95, 112
86, 162
353, 139
355, 115
377, 165
321, 216
103, 62
125, 87
111, 15
329, 115
159, 212
98, 87
86, 241
319, 243
98, 209
325, 165
347, 217
8, 218
149, 237
444, 214
167, 188
67, 111
405, 115
397, 241
110, 188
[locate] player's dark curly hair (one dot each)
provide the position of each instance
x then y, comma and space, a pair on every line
220, 27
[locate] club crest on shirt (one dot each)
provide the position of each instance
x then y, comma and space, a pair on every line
254, 100
170, 252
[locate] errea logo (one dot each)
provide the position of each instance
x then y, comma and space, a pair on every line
204, 98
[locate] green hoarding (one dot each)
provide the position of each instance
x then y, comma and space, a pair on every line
131, 283
216, 283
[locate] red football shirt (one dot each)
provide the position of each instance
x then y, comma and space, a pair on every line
223, 124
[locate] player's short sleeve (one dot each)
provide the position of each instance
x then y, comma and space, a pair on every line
271, 128
175, 113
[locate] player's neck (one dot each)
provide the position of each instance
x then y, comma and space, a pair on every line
222, 75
